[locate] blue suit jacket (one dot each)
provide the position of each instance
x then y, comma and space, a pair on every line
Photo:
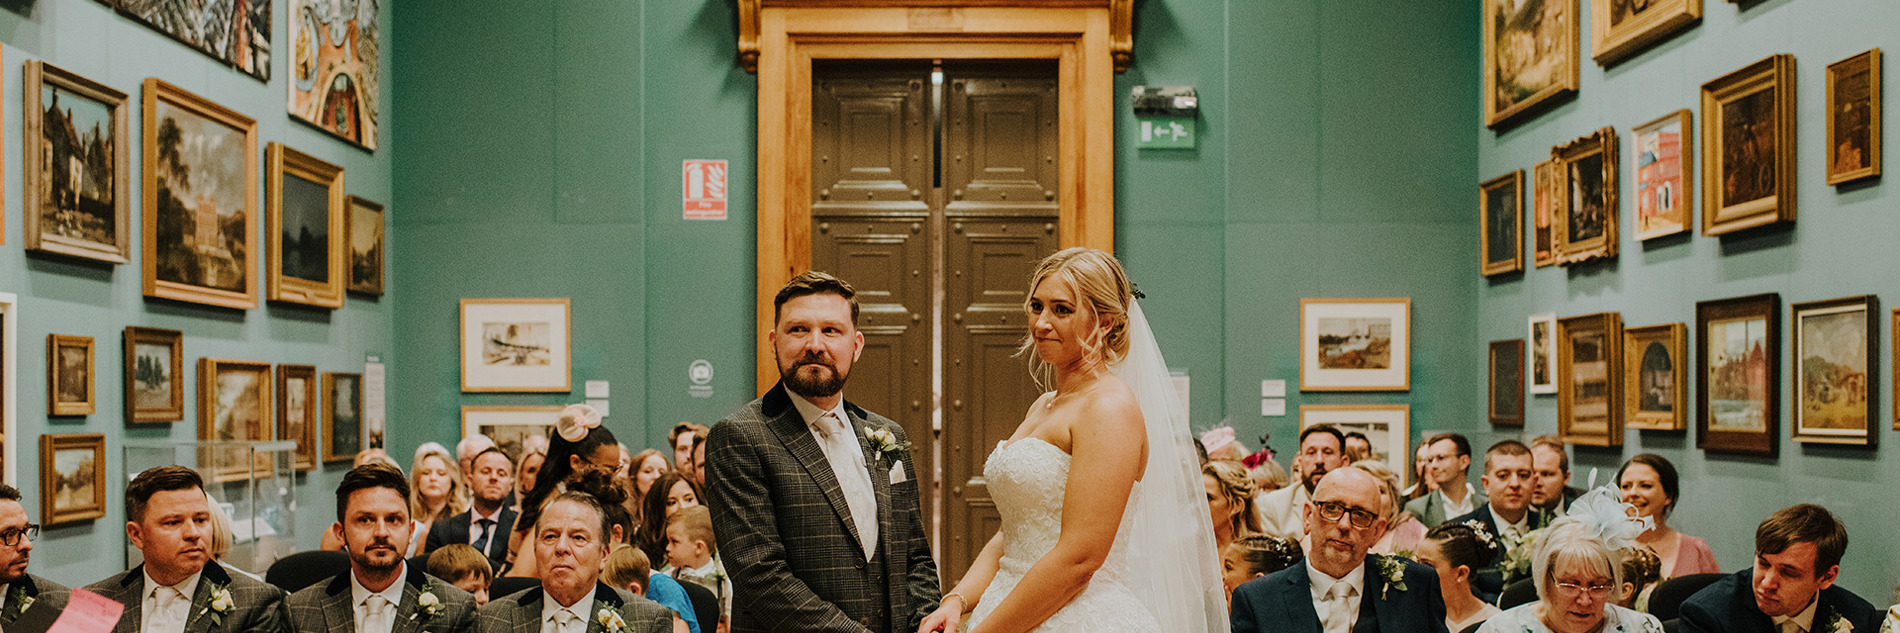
1728, 606
1282, 602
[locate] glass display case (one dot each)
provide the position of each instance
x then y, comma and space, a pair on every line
253, 483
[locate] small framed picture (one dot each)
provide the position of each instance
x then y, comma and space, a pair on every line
1665, 164
1655, 373
1586, 219
1507, 383
1738, 366
1543, 339
1543, 199
1748, 125
306, 229
1896, 355
1530, 57
1387, 426
515, 345
1619, 29
1834, 344
68, 375
1501, 209
1355, 344
200, 172
1589, 403
234, 405
154, 375
78, 183
72, 478
342, 416
366, 247
509, 426
1853, 118
297, 411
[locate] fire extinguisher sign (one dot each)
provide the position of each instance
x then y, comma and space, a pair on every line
703, 189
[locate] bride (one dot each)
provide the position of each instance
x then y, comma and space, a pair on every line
1109, 442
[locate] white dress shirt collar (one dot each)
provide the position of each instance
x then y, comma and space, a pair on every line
149, 602
1804, 619
392, 593
1520, 528
1457, 508
810, 412
582, 608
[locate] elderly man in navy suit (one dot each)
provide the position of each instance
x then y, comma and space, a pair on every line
1791, 587
1340, 589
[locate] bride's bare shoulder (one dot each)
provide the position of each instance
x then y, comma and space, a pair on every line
1112, 400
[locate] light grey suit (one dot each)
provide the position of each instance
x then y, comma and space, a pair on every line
260, 608
326, 607
520, 612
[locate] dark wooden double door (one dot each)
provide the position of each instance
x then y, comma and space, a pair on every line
935, 199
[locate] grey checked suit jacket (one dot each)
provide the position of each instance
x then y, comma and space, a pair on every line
260, 607
1430, 510
39, 589
520, 612
325, 607
784, 531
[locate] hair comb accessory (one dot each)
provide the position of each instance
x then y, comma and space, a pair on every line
1611, 519
576, 421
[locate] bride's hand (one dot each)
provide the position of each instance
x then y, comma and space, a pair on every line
946, 618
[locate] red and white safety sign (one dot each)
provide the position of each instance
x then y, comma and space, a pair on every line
703, 189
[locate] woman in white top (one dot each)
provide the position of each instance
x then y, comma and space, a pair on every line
1456, 551
1578, 568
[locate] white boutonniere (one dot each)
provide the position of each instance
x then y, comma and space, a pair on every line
609, 619
427, 605
221, 604
884, 440
1838, 624
1392, 569
20, 598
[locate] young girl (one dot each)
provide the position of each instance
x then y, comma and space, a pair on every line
1456, 551
1255, 556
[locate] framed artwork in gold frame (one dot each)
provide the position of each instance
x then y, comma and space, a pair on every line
234, 404
1501, 215
1620, 29
200, 213
78, 185
342, 416
1834, 366
1356, 344
297, 411
516, 345
1584, 226
1665, 176
72, 477
154, 375
367, 246
1520, 79
1748, 147
1738, 375
1655, 377
1506, 401
1543, 201
305, 229
1895, 358
1853, 118
1589, 357
69, 375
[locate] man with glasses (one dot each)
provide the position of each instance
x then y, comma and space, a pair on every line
16, 546
1339, 588
1449, 467
1322, 450
1791, 587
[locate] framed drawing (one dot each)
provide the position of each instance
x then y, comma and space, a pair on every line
1543, 188
1530, 56
515, 345
342, 416
1507, 383
69, 375
1386, 425
78, 187
366, 247
1665, 164
1620, 29
9, 392
335, 68
1589, 403
1356, 344
1501, 211
1853, 118
305, 228
154, 375
297, 411
234, 405
236, 33
1748, 130
72, 478
509, 426
1585, 219
1834, 364
1543, 338
200, 215
1655, 377
1738, 365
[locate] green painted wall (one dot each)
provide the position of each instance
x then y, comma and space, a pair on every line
1840, 246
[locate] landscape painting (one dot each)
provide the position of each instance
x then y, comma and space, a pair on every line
236, 32
336, 57
1543, 334
1589, 363
509, 425
297, 411
343, 416
69, 374
1386, 427
1355, 344
72, 478
366, 246
1833, 347
1738, 374
1501, 212
154, 380
1530, 55
76, 174
515, 345
305, 230
201, 184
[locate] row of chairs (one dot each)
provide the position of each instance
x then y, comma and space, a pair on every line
1665, 601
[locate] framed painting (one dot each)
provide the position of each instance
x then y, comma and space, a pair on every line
78, 187
1543, 188
1507, 383
72, 478
297, 411
509, 426
366, 247
1589, 355
69, 375
342, 416
236, 33
1655, 377
1356, 344
1665, 164
1585, 219
1530, 56
9, 388
234, 405
335, 67
1853, 118
1543, 339
200, 215
515, 345
306, 229
1834, 364
1748, 125
1501, 211
1620, 29
1738, 363
154, 375
1388, 426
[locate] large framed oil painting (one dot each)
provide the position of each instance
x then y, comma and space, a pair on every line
1387, 426
509, 425
1543, 352
200, 193
1748, 126
69, 375
236, 32
1738, 367
1655, 377
1530, 56
297, 411
1853, 118
1665, 167
342, 416
72, 478
1501, 211
366, 247
1620, 29
78, 184
306, 229
515, 345
154, 375
1589, 364
1586, 218
335, 63
1834, 343
1543, 199
235, 405
1506, 400
1356, 344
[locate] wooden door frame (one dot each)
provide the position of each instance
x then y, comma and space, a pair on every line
1089, 39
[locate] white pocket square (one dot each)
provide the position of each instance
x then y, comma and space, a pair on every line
897, 474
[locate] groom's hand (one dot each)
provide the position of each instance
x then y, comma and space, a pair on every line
946, 618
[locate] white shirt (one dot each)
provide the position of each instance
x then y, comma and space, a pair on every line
392, 593
1520, 528
583, 609
1455, 509
1323, 587
854, 478
1804, 619
148, 603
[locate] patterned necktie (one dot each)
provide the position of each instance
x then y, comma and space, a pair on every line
844, 453
488, 529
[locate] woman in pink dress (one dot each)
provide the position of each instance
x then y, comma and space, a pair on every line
1648, 482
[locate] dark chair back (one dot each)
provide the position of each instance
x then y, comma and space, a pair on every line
510, 585
705, 605
1665, 601
1517, 594
304, 569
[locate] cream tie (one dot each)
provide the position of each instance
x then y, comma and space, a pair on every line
845, 455
1791, 626
1338, 620
375, 615
564, 621
165, 610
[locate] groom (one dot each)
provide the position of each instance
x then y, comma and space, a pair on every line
814, 500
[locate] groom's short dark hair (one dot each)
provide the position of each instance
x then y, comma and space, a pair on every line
813, 282
1805, 523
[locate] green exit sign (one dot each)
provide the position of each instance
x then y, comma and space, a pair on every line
1164, 132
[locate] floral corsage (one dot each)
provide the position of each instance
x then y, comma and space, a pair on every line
1838, 624
221, 604
609, 619
427, 606
1392, 569
884, 440
20, 598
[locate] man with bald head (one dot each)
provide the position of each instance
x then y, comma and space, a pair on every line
1339, 588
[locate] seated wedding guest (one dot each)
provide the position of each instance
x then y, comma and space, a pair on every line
626, 462
465, 567
178, 585
1448, 465
488, 521
1791, 587
1229, 502
1456, 551
467, 449
569, 543
669, 494
1649, 483
1252, 557
526, 469
1222, 445
684, 435
1553, 493
579, 445
436, 491
1403, 530
1578, 570
694, 555
699, 460
1422, 483
1282, 512
1358, 447
648, 465
628, 568
1267, 475
1641, 570
380, 589
221, 537
377, 455
19, 589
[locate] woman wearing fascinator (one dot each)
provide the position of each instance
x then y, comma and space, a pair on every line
1578, 569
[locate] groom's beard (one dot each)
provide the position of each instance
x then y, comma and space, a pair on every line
824, 382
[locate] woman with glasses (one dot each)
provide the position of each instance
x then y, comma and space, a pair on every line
1578, 568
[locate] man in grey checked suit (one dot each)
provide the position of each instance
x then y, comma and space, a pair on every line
380, 593
814, 500
570, 541
17, 588
179, 589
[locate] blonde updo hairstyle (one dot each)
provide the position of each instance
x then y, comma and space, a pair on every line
1101, 287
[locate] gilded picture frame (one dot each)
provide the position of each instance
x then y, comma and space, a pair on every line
1543, 210
1748, 144
69, 375
1834, 366
235, 405
72, 478
1584, 225
200, 247
1655, 377
1619, 29
1853, 118
297, 407
64, 181
1665, 175
305, 229
1519, 81
1501, 224
368, 243
342, 416
1738, 375
154, 375
1589, 395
